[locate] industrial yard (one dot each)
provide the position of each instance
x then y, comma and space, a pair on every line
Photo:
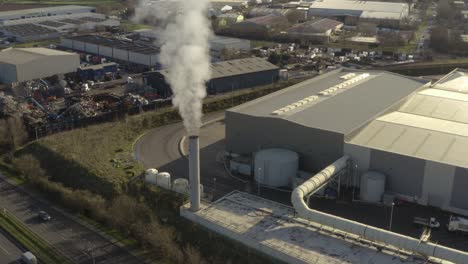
235, 131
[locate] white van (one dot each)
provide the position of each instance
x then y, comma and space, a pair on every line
28, 258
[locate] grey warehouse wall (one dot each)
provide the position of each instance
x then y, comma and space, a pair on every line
405, 174
460, 189
317, 148
7, 73
229, 83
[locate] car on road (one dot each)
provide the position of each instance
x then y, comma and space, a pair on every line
44, 216
28, 258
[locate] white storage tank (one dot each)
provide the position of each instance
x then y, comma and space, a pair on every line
181, 186
163, 179
276, 167
372, 186
150, 176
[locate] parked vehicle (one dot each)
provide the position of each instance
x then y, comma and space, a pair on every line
457, 223
428, 222
44, 216
28, 258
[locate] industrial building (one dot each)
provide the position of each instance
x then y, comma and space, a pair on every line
388, 14
226, 76
28, 32
316, 31
25, 64
123, 51
260, 27
410, 132
66, 23
217, 43
45, 12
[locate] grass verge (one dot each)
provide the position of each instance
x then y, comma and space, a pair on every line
126, 241
40, 248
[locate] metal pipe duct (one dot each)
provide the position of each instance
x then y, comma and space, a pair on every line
194, 173
369, 232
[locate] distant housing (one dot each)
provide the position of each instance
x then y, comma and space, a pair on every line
226, 76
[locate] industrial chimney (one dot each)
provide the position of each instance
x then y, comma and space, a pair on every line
194, 173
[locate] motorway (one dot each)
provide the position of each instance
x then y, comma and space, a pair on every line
74, 240
9, 251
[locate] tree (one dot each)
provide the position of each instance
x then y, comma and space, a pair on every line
439, 39
444, 10
274, 58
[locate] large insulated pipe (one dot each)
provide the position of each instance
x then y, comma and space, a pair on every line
194, 173
368, 232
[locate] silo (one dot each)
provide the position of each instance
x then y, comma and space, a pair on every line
163, 179
150, 176
372, 186
276, 167
181, 186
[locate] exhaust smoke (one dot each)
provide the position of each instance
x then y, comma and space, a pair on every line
185, 56
184, 52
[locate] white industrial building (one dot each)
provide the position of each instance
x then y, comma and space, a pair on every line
45, 12
382, 13
25, 64
123, 51
217, 43
67, 22
404, 136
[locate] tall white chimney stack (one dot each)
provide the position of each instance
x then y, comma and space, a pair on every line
194, 173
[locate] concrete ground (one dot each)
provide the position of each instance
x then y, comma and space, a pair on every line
74, 240
10, 252
159, 149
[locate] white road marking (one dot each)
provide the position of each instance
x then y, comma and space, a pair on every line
8, 253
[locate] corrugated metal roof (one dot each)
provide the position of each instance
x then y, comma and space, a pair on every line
432, 125
374, 9
23, 55
44, 10
238, 67
317, 26
341, 111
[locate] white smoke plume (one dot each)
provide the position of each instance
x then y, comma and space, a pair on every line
184, 52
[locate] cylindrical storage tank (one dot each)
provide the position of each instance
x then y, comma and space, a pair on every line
150, 176
163, 179
276, 167
374, 186
181, 186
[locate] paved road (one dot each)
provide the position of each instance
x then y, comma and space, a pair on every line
9, 251
73, 239
159, 149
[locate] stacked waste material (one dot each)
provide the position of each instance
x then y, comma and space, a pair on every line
10, 107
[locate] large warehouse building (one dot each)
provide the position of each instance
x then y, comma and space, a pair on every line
409, 131
226, 76
124, 51
382, 13
25, 64
45, 12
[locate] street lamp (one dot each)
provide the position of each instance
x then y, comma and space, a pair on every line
391, 217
